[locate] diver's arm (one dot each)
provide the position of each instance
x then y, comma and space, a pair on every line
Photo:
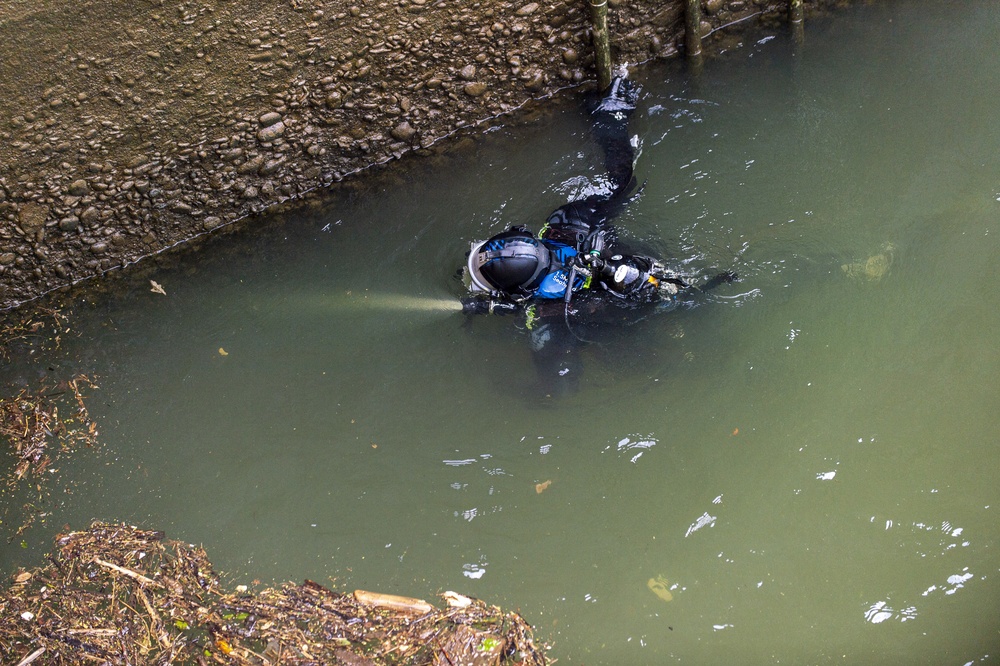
485, 305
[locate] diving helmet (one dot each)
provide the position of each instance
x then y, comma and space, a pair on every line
512, 262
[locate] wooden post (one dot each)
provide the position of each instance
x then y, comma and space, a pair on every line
692, 28
796, 17
602, 44
795, 12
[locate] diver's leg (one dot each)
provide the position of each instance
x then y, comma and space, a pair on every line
572, 222
611, 118
556, 355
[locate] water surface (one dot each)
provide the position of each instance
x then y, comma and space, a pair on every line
808, 458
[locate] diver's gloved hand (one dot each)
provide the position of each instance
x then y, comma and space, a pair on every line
595, 242
473, 305
621, 95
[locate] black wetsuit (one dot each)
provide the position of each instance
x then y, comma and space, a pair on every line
575, 228
573, 222
576, 278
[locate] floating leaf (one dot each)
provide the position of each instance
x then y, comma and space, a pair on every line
660, 587
181, 624
541, 487
223, 352
157, 288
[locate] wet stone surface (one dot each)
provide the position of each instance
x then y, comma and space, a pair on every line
126, 129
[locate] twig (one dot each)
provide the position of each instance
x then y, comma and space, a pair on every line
157, 624
441, 651
128, 572
31, 657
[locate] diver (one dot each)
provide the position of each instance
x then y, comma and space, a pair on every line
574, 267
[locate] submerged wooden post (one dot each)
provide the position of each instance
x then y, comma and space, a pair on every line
796, 17
692, 28
602, 43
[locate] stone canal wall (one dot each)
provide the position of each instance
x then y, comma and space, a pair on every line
127, 128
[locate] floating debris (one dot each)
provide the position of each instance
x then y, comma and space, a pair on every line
660, 586
122, 595
40, 424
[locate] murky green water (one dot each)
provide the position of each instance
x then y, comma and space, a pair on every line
808, 460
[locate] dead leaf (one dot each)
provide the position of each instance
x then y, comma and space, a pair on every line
540, 487
223, 352
157, 288
660, 586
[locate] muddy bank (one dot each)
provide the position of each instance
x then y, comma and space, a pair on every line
126, 129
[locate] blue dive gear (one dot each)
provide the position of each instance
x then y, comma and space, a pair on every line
553, 285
